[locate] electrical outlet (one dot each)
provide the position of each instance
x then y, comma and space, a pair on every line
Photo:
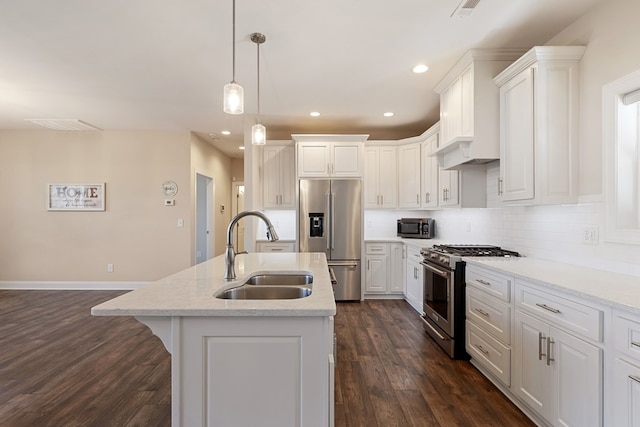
109, 268
590, 235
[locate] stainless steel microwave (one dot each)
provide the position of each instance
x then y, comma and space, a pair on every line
418, 228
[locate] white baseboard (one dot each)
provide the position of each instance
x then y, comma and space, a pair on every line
383, 296
71, 286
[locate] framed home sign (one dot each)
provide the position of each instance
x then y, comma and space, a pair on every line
75, 197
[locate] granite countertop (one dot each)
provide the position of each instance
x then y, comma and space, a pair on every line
605, 287
191, 292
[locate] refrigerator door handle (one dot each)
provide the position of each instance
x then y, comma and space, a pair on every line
328, 224
333, 219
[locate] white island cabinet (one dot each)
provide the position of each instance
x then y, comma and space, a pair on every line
242, 362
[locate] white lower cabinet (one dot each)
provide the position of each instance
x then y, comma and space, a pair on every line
488, 328
625, 383
413, 275
556, 373
545, 349
383, 269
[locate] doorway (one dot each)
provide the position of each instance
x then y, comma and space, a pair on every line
204, 218
237, 207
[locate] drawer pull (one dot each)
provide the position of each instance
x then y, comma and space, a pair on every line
479, 347
635, 344
481, 311
540, 339
634, 378
551, 309
483, 282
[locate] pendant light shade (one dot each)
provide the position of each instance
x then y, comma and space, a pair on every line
258, 131
233, 98
233, 92
258, 134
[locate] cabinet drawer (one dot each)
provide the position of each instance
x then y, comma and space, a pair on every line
275, 247
564, 313
377, 248
488, 352
490, 282
413, 253
489, 314
626, 335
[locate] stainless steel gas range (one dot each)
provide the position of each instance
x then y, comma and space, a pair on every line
444, 292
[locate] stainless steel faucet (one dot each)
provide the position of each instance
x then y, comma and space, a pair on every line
230, 252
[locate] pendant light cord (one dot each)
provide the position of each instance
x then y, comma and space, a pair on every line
233, 37
258, 44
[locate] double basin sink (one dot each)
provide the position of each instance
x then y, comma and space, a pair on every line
270, 287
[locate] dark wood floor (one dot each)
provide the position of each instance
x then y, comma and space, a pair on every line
59, 366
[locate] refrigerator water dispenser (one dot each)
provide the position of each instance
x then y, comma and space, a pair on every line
316, 224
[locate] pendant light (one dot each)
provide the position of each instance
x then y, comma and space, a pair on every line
258, 131
233, 92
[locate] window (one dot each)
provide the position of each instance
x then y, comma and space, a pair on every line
621, 126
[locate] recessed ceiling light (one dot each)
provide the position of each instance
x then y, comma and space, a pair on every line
420, 68
226, 132
241, 147
314, 114
388, 114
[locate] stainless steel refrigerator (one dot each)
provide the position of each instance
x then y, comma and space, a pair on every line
330, 221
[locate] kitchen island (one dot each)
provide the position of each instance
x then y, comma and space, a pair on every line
242, 362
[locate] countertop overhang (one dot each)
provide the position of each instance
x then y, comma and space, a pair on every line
191, 292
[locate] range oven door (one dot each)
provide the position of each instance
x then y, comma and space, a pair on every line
438, 296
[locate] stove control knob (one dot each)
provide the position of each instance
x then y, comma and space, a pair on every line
443, 259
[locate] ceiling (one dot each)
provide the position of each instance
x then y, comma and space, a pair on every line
161, 65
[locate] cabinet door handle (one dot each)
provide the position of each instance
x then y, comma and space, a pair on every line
479, 347
481, 311
546, 307
634, 378
549, 358
635, 344
382, 199
484, 282
427, 197
540, 339
368, 264
418, 199
276, 249
500, 186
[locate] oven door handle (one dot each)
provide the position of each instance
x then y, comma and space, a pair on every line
442, 273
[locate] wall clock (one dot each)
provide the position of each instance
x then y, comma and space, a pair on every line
169, 188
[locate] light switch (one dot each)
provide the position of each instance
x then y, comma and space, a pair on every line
180, 222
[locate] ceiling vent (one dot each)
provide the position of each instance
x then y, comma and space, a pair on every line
465, 7
63, 124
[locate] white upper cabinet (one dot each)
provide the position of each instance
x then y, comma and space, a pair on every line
430, 171
325, 156
380, 177
469, 101
539, 114
409, 176
278, 177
